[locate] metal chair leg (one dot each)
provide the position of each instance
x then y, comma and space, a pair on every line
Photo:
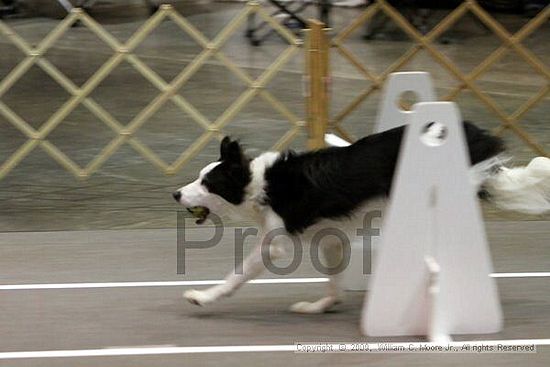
66, 5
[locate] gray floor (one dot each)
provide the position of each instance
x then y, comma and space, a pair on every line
73, 319
129, 198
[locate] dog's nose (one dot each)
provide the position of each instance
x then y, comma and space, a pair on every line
176, 195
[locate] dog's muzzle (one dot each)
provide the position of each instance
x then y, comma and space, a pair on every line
199, 212
176, 195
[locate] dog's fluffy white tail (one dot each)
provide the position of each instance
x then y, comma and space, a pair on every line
524, 189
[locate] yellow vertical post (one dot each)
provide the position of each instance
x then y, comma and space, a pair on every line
317, 73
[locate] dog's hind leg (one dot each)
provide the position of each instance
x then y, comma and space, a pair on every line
333, 254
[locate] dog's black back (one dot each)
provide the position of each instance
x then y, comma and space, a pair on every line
333, 182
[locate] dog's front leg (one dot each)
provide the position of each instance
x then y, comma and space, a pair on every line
251, 267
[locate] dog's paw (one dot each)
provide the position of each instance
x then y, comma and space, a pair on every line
307, 308
199, 298
317, 307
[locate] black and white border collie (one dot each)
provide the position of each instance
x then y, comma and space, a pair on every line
301, 193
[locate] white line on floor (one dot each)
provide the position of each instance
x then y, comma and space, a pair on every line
521, 275
13, 287
134, 351
38, 286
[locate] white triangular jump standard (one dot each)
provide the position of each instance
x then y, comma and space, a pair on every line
431, 275
389, 115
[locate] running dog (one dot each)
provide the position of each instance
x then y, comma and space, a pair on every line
301, 193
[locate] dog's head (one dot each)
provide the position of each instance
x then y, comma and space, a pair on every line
219, 183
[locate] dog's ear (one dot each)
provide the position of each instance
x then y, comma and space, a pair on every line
231, 150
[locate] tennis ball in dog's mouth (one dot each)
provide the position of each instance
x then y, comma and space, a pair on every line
199, 212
